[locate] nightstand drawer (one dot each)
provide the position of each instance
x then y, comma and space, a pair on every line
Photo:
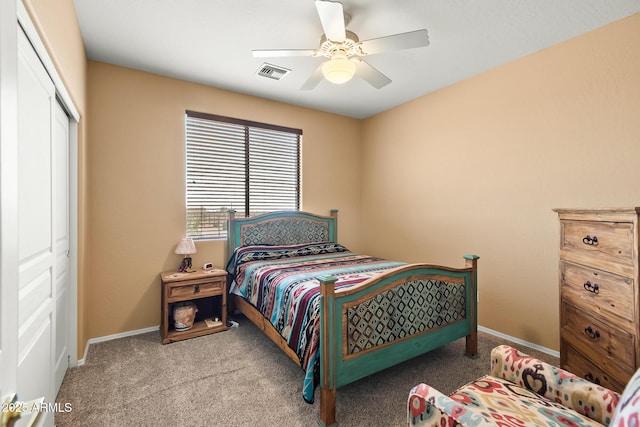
197, 290
598, 291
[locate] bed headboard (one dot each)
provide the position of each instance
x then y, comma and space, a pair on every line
281, 228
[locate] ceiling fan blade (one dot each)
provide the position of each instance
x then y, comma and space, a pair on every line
418, 38
374, 77
313, 79
332, 19
277, 53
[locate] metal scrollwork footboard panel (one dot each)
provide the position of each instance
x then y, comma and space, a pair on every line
411, 308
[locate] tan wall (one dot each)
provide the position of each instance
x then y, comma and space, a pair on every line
478, 166
137, 185
57, 24
488, 160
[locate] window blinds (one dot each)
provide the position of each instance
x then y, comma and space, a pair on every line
236, 164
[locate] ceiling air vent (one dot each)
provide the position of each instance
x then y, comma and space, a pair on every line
272, 71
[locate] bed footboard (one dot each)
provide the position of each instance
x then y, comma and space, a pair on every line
391, 318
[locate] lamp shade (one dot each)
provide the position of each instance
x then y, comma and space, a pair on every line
339, 69
186, 247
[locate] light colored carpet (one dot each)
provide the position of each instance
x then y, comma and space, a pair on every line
240, 378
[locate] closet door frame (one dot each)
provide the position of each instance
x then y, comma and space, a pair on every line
8, 199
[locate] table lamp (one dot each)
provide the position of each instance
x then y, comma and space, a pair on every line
186, 247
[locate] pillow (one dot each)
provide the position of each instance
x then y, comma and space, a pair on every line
628, 410
246, 254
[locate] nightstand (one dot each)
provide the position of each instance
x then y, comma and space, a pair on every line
207, 289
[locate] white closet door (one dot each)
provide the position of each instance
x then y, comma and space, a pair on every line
37, 230
61, 240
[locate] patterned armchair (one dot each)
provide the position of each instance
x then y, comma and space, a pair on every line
523, 391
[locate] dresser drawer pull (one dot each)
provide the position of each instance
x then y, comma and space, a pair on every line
591, 378
595, 288
591, 333
593, 241
196, 289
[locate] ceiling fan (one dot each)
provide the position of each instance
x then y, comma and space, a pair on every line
344, 49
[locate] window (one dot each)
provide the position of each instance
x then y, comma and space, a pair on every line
236, 164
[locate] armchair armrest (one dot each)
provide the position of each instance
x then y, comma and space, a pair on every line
427, 407
553, 383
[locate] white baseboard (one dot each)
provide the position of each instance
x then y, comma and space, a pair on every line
113, 337
155, 328
519, 341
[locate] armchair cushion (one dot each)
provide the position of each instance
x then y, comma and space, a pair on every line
429, 407
628, 410
521, 390
554, 384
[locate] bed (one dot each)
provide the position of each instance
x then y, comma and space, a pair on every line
340, 315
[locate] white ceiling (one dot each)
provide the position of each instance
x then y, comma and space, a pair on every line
210, 41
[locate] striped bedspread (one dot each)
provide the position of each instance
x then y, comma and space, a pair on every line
280, 281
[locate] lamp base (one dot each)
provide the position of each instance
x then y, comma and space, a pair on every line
185, 265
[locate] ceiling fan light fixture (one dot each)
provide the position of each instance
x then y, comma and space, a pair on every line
343, 47
339, 69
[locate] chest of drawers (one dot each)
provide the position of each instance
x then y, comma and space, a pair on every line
599, 301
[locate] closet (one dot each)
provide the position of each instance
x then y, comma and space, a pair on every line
38, 232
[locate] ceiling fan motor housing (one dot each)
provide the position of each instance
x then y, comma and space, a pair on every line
350, 46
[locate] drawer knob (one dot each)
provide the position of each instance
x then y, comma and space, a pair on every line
196, 289
594, 288
593, 241
591, 333
591, 378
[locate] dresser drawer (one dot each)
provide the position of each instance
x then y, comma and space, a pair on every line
576, 363
598, 291
607, 244
596, 339
197, 290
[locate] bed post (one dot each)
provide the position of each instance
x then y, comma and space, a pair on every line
327, 352
334, 215
231, 234
471, 261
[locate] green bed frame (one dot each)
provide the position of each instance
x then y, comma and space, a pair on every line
383, 321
